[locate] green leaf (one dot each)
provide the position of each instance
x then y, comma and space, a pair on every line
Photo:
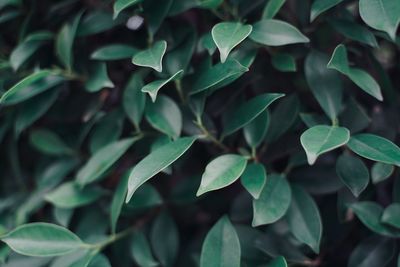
353, 173
248, 111
365, 81
221, 172
153, 87
216, 74
65, 40
120, 5
381, 171
321, 139
273, 32
118, 200
320, 6
273, 202
370, 214
155, 12
272, 8
375, 148
304, 219
151, 57
114, 52
98, 78
324, 83
284, 62
227, 35
255, 131
141, 251
49, 143
383, 15
134, 100
373, 251
165, 116
278, 262
354, 31
102, 160
254, 178
30, 86
42, 240
166, 251
157, 161
221, 247
391, 215
69, 196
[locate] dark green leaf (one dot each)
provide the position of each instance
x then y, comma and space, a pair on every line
353, 173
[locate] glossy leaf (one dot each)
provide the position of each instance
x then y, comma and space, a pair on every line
381, 171
248, 111
320, 6
272, 8
221, 246
376, 148
227, 35
354, 31
273, 202
42, 240
157, 161
381, 15
253, 179
340, 63
153, 87
102, 160
221, 172
353, 173
120, 5
134, 100
255, 131
276, 33
321, 139
114, 52
391, 215
151, 57
304, 219
278, 262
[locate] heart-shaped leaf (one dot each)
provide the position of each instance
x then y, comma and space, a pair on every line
227, 35
151, 57
221, 172
153, 87
321, 139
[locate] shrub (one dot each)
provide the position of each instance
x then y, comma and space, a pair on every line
199, 133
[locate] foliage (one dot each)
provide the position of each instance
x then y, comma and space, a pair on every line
199, 133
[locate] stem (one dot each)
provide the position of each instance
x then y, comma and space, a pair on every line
211, 137
254, 154
113, 238
178, 86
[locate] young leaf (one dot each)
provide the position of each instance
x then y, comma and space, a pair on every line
321, 139
320, 6
324, 83
141, 251
370, 214
151, 57
221, 246
340, 63
272, 8
304, 219
391, 215
102, 160
157, 161
381, 15
276, 33
253, 179
381, 171
153, 87
248, 111
353, 173
165, 116
49, 143
376, 148
273, 202
69, 196
120, 5
221, 172
30, 86
42, 240
227, 35
114, 52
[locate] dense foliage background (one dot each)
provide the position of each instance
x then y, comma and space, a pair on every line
199, 133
